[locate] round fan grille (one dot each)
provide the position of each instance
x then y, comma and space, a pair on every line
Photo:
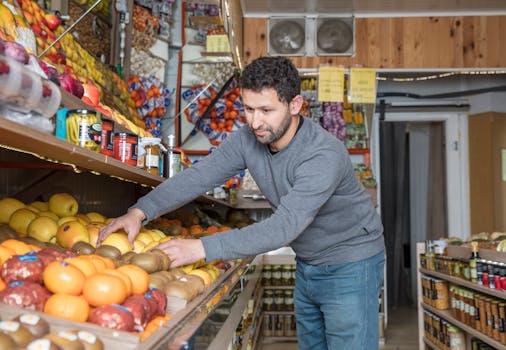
287, 37
334, 35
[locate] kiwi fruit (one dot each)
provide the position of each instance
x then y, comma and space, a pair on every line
158, 282
7, 342
38, 326
32, 241
149, 262
174, 230
108, 251
165, 259
89, 340
19, 333
195, 281
82, 248
177, 272
66, 340
43, 344
128, 256
181, 290
7, 233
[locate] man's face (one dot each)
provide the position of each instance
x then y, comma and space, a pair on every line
267, 116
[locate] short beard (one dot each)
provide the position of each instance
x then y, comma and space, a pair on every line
275, 135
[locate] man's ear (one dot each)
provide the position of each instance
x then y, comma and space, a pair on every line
296, 104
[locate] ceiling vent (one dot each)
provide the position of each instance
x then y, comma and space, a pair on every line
311, 36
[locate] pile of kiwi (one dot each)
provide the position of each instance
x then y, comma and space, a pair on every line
30, 331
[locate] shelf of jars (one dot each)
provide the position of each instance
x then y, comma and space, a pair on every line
53, 149
446, 314
468, 296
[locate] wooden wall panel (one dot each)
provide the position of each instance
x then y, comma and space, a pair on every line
404, 43
481, 180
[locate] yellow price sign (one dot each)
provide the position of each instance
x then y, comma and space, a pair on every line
330, 84
362, 85
217, 43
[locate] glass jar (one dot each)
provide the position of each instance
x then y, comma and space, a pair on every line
288, 300
276, 275
279, 300
268, 300
267, 275
152, 158
286, 275
267, 327
84, 129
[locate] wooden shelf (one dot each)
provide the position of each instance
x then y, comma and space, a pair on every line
242, 203
497, 293
448, 317
279, 287
47, 146
431, 344
275, 339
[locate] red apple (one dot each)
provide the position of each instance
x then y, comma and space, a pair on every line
91, 92
52, 21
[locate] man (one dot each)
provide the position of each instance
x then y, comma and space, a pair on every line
320, 210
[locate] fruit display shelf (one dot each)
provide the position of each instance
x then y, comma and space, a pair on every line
173, 334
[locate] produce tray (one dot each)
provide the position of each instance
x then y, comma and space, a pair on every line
465, 252
111, 339
171, 335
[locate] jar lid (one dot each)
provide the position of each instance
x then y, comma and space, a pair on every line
81, 111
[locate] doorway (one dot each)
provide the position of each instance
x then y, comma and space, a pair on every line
414, 152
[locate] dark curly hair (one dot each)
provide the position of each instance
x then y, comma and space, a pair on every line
278, 73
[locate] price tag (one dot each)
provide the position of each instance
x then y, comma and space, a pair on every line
330, 84
217, 43
362, 85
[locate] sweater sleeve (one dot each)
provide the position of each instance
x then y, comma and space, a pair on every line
225, 162
316, 179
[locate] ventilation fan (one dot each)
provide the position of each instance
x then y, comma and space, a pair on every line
287, 36
335, 36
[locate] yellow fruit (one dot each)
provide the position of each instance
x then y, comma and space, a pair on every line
70, 233
83, 219
32, 208
42, 206
156, 234
8, 206
138, 246
20, 220
118, 240
93, 230
42, 228
205, 275
63, 204
65, 219
187, 268
49, 214
145, 237
96, 217
149, 246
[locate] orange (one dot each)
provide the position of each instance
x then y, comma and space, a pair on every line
34, 247
70, 307
6, 253
109, 263
102, 289
139, 278
97, 261
124, 278
83, 264
61, 277
19, 247
2, 284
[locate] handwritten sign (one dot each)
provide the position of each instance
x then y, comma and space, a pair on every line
362, 85
330, 84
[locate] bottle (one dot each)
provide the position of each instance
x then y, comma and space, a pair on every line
472, 262
152, 157
173, 163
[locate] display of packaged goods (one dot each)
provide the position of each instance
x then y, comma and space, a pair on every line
21, 87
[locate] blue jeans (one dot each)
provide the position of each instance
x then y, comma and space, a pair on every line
336, 306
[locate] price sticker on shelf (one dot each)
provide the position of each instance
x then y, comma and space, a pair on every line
362, 85
330, 84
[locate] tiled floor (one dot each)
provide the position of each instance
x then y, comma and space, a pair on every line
401, 332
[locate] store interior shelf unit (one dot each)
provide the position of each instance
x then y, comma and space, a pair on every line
458, 252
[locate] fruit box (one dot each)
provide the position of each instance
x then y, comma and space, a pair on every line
111, 339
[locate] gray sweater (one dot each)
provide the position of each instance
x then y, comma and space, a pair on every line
320, 209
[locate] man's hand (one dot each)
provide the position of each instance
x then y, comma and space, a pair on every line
130, 223
183, 251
